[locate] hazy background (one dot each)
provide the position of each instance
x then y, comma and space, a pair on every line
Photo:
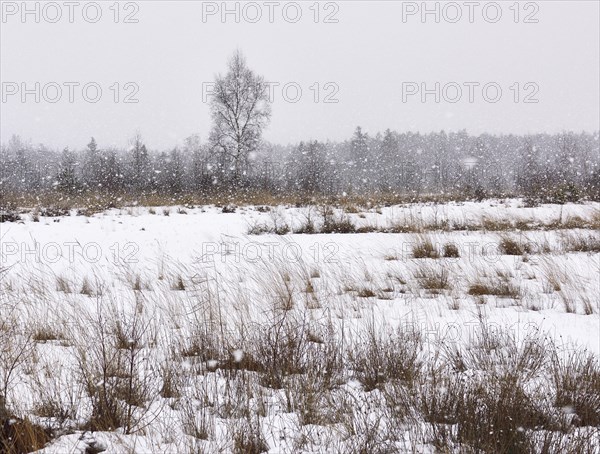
170, 52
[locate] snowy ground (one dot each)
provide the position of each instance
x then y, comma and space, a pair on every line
172, 292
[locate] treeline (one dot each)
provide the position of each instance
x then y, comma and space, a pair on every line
542, 167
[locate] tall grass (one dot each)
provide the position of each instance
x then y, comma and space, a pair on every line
214, 363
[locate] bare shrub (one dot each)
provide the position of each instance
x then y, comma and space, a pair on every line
365, 430
280, 347
114, 368
439, 397
496, 351
197, 420
57, 396
308, 224
576, 377
434, 279
334, 223
9, 216
259, 229
307, 398
493, 416
202, 345
495, 406
247, 436
172, 377
550, 442
16, 349
307, 228
278, 225
377, 357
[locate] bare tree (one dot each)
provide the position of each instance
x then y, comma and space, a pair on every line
240, 111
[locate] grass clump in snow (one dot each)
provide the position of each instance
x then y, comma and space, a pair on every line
425, 249
510, 246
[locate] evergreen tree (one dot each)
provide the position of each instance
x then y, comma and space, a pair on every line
310, 167
111, 178
140, 177
66, 180
175, 172
91, 170
359, 155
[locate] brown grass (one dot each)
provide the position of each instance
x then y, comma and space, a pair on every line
510, 246
19, 436
425, 248
498, 287
434, 279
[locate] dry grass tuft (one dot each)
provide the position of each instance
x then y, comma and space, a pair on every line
451, 251
434, 279
510, 246
425, 249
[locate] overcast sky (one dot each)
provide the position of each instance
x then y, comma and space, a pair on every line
372, 58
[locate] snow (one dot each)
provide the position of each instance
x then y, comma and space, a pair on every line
208, 250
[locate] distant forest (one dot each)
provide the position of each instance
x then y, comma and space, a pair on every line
542, 168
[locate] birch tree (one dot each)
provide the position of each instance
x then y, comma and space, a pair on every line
240, 111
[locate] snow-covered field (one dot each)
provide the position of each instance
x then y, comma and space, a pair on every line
173, 329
